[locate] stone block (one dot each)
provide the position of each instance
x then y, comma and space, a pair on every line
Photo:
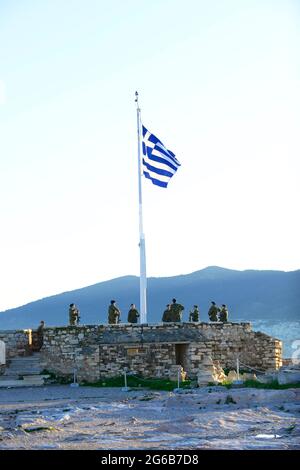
2, 353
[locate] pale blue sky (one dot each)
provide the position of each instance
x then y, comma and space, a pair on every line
219, 85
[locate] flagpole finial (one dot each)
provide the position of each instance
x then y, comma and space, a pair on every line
137, 100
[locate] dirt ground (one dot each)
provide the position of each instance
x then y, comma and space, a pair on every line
62, 417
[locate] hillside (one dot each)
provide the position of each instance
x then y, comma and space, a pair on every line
249, 295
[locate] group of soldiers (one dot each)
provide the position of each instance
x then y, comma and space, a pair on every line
173, 313
114, 314
218, 313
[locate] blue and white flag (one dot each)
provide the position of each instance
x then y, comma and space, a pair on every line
159, 163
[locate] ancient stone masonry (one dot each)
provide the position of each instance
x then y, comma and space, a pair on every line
253, 348
154, 350
17, 342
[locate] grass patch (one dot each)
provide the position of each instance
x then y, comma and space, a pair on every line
64, 380
139, 382
274, 385
226, 384
57, 379
47, 372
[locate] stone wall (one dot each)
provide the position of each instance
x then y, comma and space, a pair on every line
253, 348
17, 342
154, 350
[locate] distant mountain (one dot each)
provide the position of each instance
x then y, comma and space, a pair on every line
249, 295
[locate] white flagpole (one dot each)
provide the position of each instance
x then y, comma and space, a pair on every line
143, 276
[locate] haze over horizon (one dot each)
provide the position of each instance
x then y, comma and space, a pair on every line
219, 85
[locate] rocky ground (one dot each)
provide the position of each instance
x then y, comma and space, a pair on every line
62, 417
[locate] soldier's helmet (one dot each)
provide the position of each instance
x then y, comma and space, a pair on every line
223, 305
174, 301
195, 306
214, 303
72, 305
112, 302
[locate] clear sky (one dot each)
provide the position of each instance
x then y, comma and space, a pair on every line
219, 85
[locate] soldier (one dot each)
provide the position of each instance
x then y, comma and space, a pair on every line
133, 314
194, 314
114, 313
176, 311
167, 314
73, 315
213, 312
40, 334
223, 315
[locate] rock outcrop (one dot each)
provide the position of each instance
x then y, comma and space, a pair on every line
289, 374
210, 372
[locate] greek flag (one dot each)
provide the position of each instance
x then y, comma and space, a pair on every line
159, 163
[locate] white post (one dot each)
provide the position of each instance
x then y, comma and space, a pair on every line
238, 368
179, 370
143, 276
2, 353
125, 388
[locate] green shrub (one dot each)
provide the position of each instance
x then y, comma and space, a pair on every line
63, 380
274, 385
138, 382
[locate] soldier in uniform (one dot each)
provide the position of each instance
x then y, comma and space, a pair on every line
73, 315
114, 313
176, 311
194, 314
40, 334
213, 312
223, 315
133, 314
167, 314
